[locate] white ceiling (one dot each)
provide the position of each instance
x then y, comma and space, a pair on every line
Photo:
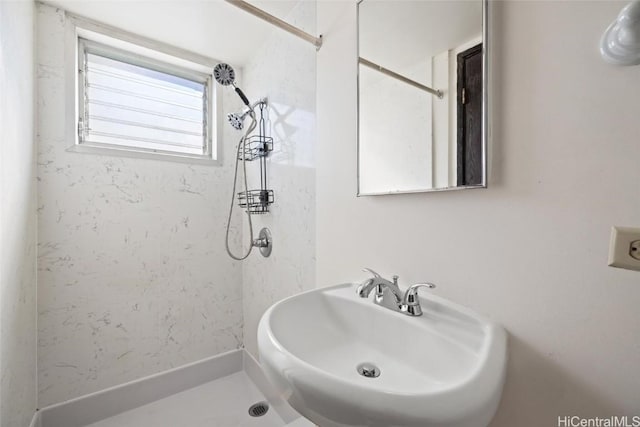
209, 27
397, 34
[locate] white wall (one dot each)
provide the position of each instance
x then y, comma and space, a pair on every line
396, 157
284, 70
133, 275
17, 215
442, 123
531, 250
207, 27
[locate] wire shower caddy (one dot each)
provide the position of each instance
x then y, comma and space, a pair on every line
258, 147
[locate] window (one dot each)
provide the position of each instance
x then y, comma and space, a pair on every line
132, 103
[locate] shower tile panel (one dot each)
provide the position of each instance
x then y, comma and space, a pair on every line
132, 272
284, 71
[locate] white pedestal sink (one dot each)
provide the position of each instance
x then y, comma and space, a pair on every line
445, 368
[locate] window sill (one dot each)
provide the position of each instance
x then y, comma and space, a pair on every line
87, 148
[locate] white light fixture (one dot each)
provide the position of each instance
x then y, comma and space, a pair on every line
620, 44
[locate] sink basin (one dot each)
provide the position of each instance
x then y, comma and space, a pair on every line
444, 368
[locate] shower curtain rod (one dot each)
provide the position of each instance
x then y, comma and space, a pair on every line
400, 77
316, 41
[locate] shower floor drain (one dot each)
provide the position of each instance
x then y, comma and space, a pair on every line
258, 409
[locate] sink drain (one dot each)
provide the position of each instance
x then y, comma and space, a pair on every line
368, 370
258, 409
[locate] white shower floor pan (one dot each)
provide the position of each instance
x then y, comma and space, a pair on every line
222, 402
216, 392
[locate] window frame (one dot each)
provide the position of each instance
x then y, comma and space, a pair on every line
86, 36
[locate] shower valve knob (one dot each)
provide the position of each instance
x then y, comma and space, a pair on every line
260, 243
264, 242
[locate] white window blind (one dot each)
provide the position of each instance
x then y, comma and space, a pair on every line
130, 102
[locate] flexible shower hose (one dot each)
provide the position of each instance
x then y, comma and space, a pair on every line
241, 153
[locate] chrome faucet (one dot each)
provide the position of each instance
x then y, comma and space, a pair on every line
388, 293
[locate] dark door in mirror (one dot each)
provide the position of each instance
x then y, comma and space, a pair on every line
469, 128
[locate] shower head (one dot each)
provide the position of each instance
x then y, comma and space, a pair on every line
236, 120
225, 75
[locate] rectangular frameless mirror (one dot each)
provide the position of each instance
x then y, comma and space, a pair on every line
422, 96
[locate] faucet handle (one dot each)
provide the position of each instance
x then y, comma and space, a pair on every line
410, 303
411, 296
368, 270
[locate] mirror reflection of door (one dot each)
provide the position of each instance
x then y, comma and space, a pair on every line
469, 128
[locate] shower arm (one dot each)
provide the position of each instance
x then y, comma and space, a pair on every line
252, 106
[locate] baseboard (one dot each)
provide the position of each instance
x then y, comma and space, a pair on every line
94, 407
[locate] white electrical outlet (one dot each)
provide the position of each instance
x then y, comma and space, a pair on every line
624, 248
635, 249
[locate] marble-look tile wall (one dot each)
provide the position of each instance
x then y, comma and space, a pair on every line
17, 216
284, 70
133, 274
